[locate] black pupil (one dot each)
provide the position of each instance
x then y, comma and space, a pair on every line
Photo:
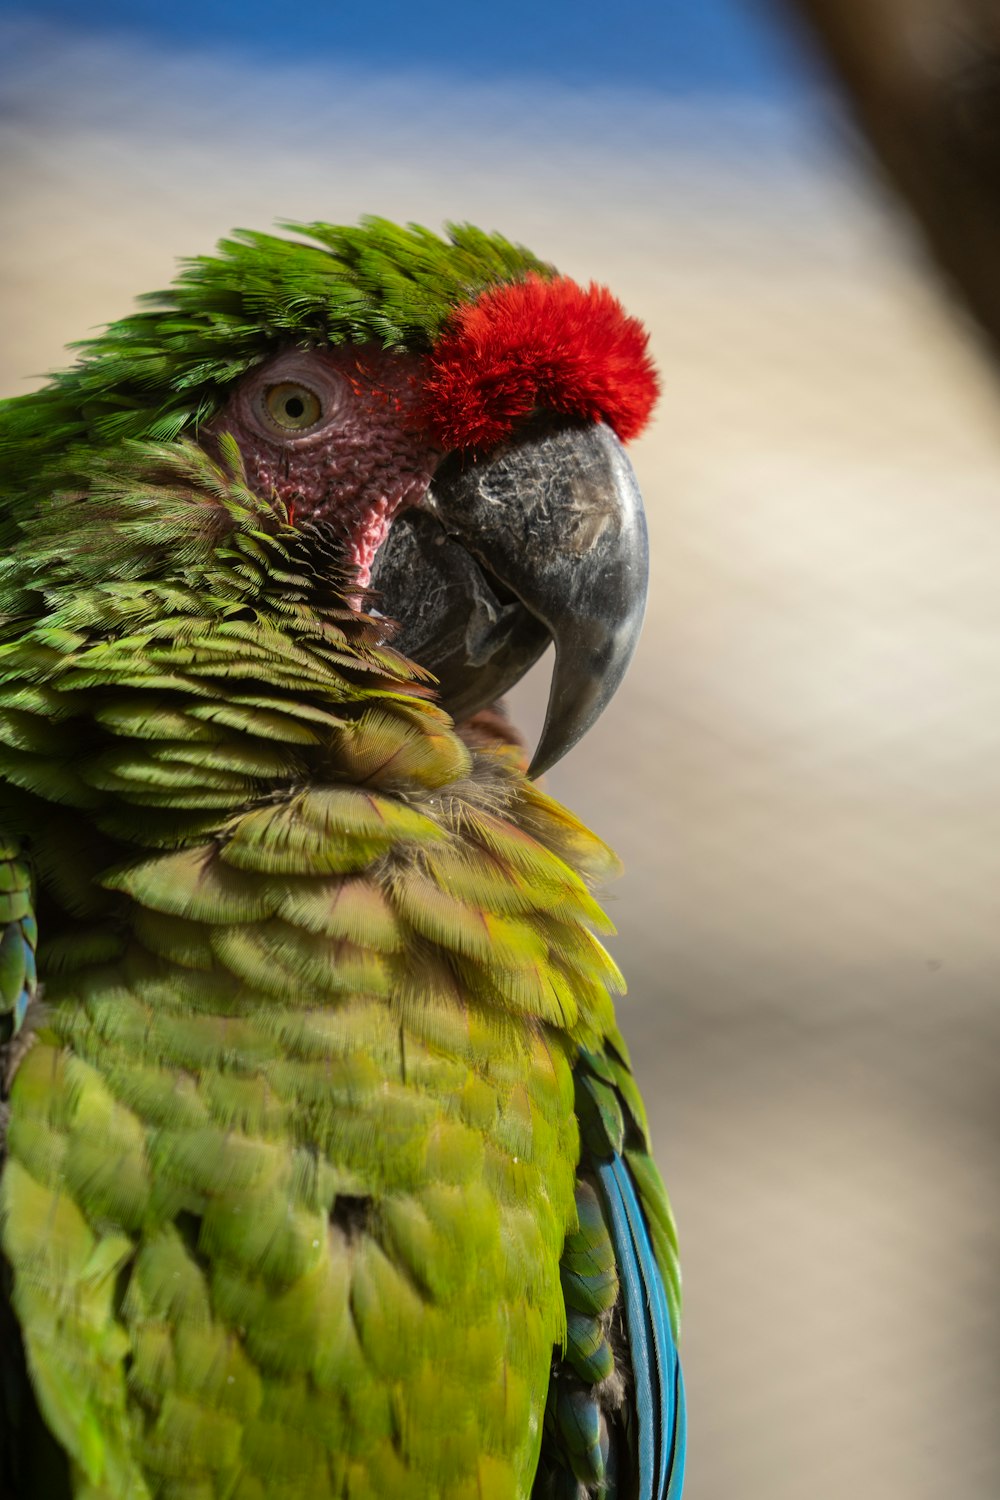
294, 406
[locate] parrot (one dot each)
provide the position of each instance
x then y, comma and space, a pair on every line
323, 1169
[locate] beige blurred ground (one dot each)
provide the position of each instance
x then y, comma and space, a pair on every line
801, 772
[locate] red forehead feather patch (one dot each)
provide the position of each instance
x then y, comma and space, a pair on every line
538, 345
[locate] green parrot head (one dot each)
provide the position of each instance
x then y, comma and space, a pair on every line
444, 417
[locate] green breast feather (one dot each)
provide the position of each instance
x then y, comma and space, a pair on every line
310, 1119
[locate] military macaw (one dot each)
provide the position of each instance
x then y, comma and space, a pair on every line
324, 1170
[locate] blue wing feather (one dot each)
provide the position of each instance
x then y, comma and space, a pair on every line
657, 1381
679, 1452
18, 934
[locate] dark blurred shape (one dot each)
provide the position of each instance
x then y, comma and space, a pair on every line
924, 79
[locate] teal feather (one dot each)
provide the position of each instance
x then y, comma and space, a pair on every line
18, 937
660, 1422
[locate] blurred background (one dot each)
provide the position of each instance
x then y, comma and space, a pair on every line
801, 771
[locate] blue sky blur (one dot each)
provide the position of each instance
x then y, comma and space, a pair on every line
664, 46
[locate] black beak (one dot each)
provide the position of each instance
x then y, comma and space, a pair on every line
544, 539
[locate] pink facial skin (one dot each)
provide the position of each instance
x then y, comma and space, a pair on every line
359, 463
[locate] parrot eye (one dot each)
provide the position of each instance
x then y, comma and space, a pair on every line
297, 398
292, 407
